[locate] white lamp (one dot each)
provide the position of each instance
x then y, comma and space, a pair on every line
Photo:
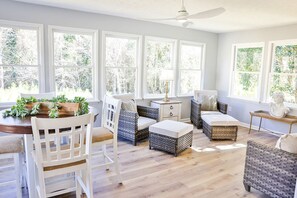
166, 75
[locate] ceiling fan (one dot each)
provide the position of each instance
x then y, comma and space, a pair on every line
184, 17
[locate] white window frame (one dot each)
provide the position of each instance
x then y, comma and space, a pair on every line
40, 48
146, 95
233, 69
94, 33
119, 35
271, 57
202, 66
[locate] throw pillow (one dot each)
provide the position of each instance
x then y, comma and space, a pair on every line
130, 106
287, 142
208, 103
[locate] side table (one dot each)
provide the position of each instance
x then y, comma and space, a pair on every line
168, 110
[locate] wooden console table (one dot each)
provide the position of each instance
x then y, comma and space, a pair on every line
265, 114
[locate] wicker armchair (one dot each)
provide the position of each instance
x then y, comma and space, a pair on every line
270, 170
196, 108
128, 123
130, 126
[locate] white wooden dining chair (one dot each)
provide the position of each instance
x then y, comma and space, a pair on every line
48, 95
11, 147
60, 158
107, 134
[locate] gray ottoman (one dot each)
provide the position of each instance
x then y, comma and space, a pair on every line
220, 127
170, 136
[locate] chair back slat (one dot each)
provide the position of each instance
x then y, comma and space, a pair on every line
64, 139
110, 113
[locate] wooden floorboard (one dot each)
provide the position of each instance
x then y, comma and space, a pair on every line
208, 169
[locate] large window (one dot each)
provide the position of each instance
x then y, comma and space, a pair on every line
120, 62
159, 55
283, 70
190, 67
20, 59
246, 71
73, 58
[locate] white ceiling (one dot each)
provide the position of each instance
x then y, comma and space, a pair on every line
239, 15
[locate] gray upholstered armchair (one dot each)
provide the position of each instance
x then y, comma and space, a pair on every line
270, 170
134, 126
196, 110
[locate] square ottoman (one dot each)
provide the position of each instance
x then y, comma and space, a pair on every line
170, 136
220, 127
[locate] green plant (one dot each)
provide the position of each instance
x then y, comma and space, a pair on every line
20, 110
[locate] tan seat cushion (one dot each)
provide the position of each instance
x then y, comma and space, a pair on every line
287, 143
11, 144
50, 168
101, 134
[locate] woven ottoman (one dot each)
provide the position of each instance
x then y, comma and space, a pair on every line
170, 136
220, 127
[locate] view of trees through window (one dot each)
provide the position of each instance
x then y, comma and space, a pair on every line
73, 61
120, 64
19, 62
159, 56
190, 68
246, 72
283, 76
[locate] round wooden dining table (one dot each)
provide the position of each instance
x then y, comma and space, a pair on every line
23, 126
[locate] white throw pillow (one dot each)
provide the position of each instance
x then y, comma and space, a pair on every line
130, 106
208, 103
287, 142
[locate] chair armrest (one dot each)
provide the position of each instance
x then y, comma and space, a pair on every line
271, 169
149, 112
128, 120
222, 107
195, 106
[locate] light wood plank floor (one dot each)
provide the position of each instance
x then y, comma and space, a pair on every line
209, 169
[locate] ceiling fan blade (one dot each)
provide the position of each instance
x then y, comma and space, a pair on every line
207, 14
187, 23
163, 19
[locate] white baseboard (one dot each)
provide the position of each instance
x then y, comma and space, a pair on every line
254, 127
185, 120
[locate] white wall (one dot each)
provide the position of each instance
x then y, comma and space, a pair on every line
16, 11
241, 108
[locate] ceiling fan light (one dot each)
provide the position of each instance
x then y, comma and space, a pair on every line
182, 20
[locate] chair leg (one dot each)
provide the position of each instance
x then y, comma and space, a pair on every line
104, 155
78, 187
116, 163
89, 182
18, 164
41, 183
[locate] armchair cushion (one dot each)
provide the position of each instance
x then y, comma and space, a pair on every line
287, 142
210, 113
144, 122
130, 106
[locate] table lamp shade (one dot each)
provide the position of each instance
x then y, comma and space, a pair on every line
167, 75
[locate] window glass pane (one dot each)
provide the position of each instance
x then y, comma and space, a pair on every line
121, 52
191, 57
16, 80
159, 56
189, 81
287, 84
246, 85
285, 59
18, 46
249, 59
74, 81
120, 81
72, 49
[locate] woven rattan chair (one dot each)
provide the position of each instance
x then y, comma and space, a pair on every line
270, 170
130, 126
196, 111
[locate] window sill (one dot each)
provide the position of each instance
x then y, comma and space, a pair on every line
246, 100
